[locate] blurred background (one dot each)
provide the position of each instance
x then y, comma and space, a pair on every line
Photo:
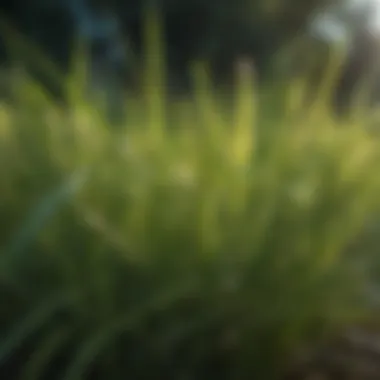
218, 32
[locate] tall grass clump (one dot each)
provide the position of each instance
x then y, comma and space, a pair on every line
198, 240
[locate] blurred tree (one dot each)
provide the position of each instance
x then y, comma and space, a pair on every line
221, 31
218, 31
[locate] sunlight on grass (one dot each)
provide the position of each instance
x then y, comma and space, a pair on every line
190, 222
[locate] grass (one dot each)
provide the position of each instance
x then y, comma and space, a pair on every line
202, 238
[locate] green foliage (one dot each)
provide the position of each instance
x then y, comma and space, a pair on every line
204, 238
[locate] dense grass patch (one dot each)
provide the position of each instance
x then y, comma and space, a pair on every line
201, 238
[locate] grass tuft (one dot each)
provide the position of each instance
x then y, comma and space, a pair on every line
203, 240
